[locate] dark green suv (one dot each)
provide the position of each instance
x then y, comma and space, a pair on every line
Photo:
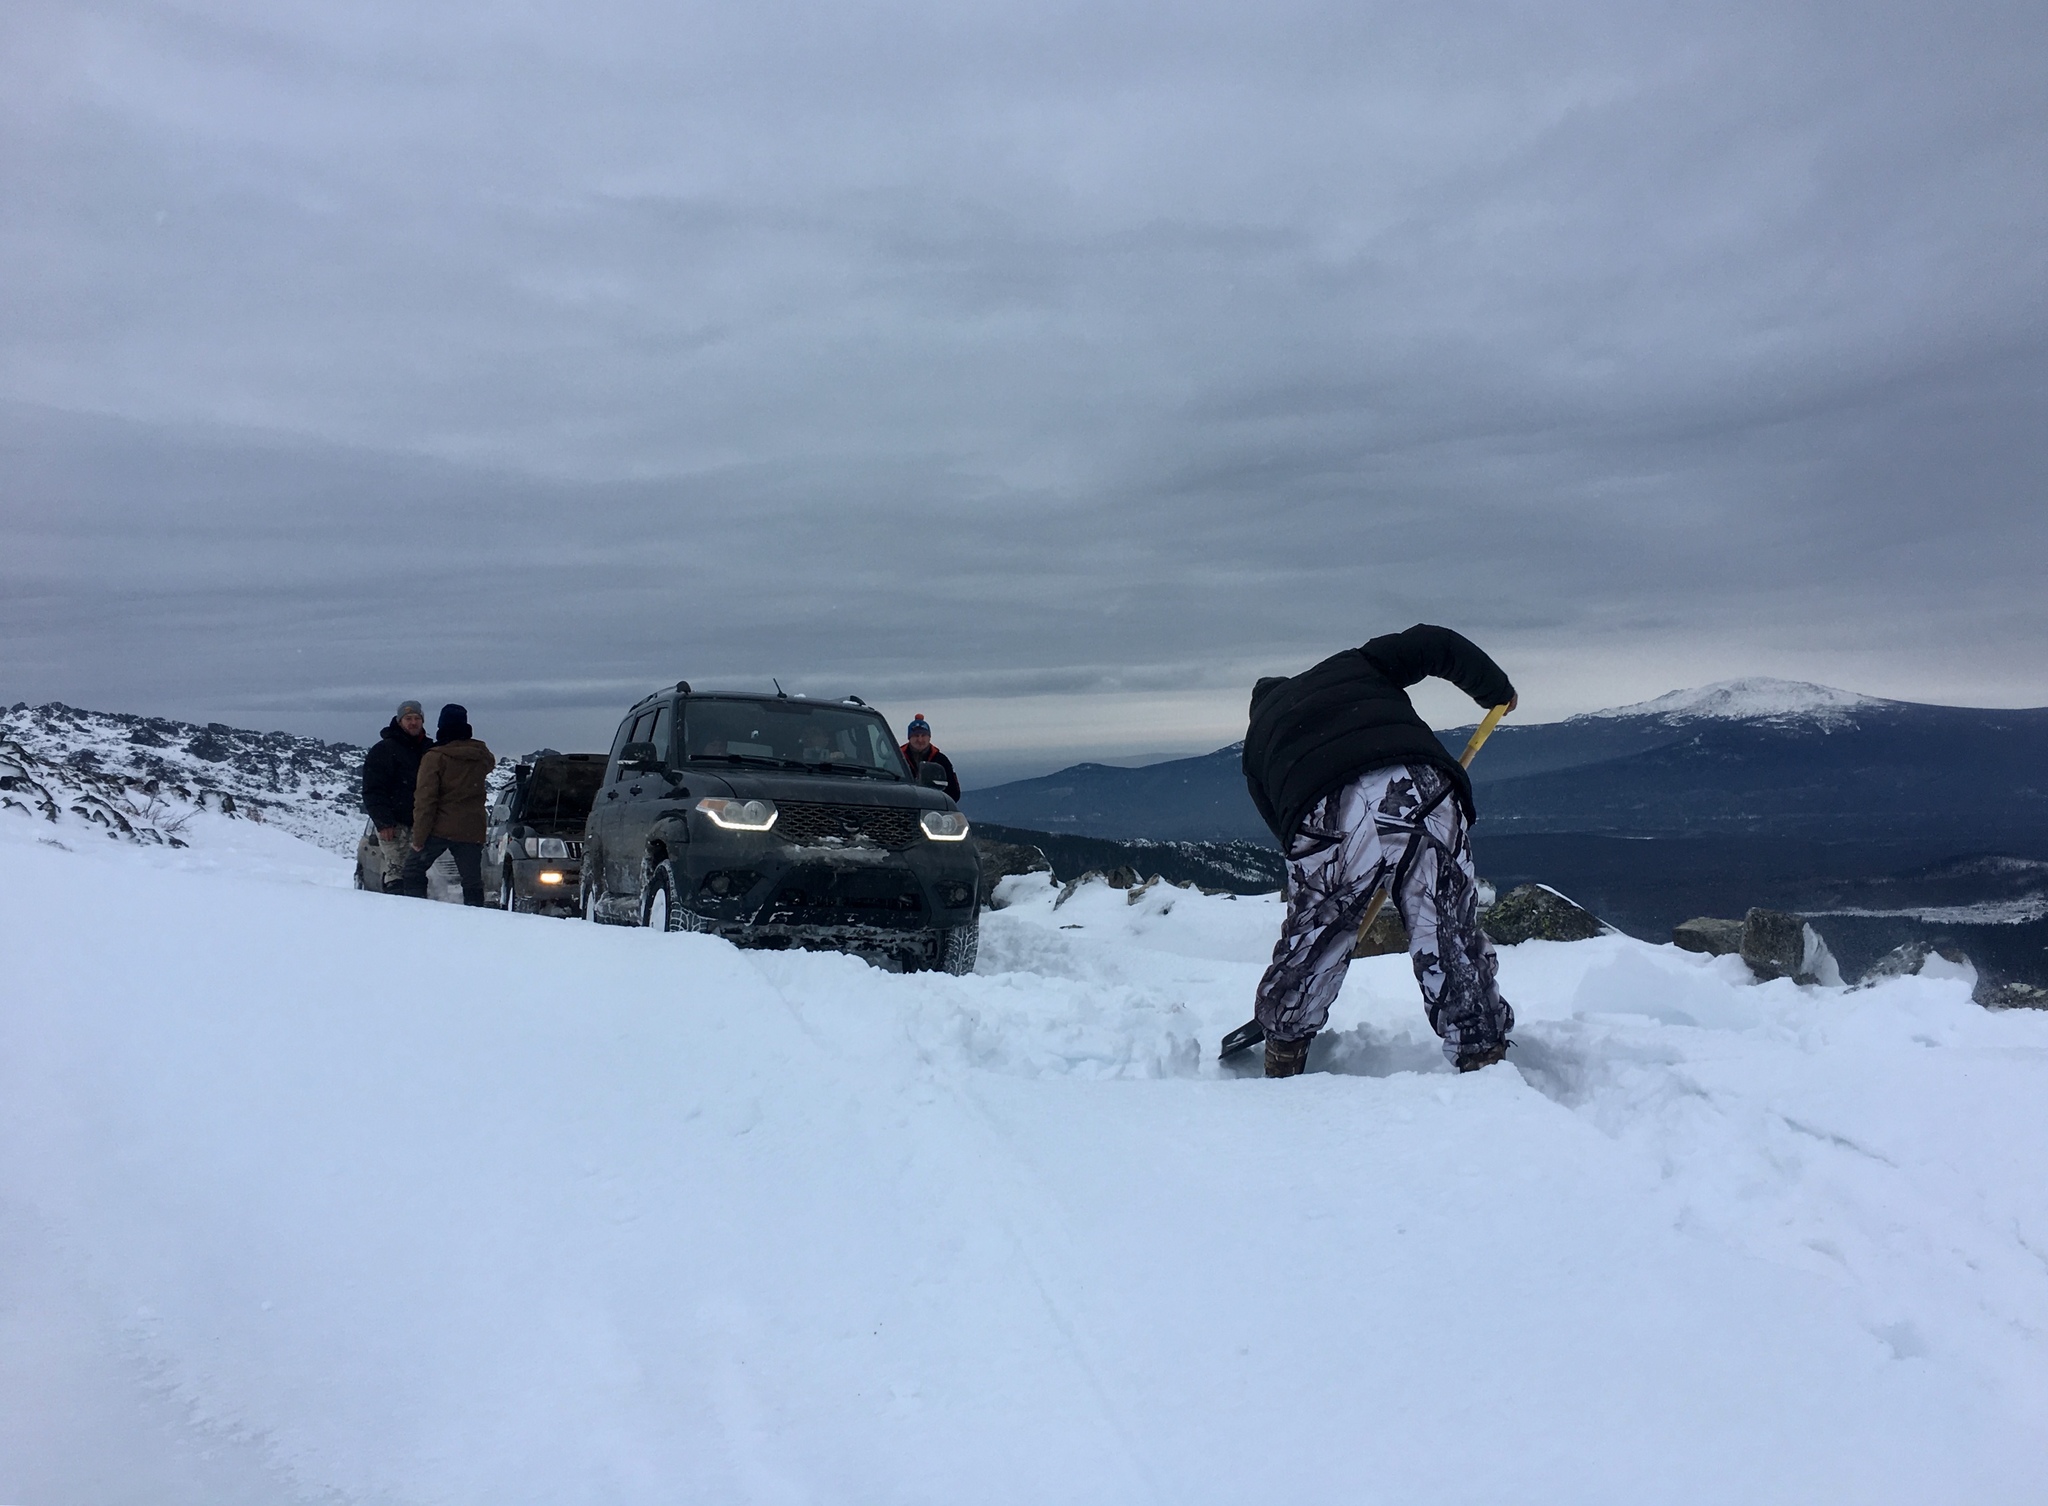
780, 821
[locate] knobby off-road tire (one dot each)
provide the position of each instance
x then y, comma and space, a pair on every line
663, 908
508, 894
959, 947
591, 894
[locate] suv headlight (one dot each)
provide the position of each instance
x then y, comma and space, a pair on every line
738, 815
944, 826
554, 850
531, 846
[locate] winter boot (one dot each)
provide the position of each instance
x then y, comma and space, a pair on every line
1287, 1058
1483, 1056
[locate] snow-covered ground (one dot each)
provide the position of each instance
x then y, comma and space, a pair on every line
313, 1194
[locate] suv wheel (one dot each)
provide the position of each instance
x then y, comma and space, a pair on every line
591, 897
663, 909
959, 947
508, 892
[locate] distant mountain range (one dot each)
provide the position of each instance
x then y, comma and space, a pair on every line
1703, 801
1747, 756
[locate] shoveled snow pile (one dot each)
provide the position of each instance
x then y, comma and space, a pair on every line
317, 1194
1748, 700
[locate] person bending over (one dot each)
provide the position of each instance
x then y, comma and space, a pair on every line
1362, 796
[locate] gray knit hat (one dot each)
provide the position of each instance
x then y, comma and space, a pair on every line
412, 708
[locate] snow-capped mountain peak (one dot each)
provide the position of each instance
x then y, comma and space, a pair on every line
1757, 698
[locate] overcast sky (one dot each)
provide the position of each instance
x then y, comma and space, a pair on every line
1056, 370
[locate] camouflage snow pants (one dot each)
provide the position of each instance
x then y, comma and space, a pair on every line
1403, 827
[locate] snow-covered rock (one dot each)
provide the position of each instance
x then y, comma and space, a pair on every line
154, 771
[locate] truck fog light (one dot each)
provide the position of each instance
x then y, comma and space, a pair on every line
944, 826
551, 878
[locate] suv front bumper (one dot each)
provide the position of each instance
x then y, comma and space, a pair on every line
764, 893
545, 882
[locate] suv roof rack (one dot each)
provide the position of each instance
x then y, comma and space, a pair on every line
856, 701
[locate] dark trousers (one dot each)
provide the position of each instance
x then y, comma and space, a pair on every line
469, 862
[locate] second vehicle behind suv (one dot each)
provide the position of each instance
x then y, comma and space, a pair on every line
779, 821
533, 853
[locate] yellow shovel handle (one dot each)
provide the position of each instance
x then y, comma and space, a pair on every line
1479, 738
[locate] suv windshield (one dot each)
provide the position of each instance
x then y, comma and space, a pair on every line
790, 734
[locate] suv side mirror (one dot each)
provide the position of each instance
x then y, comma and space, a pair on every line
931, 775
639, 756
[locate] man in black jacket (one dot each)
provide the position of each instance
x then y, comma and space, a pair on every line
391, 769
918, 752
1362, 795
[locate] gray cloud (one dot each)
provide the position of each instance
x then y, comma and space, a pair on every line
1101, 355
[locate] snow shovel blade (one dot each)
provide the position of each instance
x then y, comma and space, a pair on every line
1241, 1039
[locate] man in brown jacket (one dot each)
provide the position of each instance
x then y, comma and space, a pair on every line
448, 807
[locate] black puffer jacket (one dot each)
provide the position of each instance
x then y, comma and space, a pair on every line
391, 771
1320, 729
933, 755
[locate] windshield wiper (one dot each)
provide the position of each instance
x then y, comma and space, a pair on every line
854, 768
753, 758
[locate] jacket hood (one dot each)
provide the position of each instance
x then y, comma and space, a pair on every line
467, 749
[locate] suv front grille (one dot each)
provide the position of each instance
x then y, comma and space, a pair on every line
813, 823
862, 897
519, 849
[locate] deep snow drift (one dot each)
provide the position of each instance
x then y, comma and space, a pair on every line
312, 1193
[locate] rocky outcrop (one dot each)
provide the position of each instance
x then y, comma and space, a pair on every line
1534, 912
2009, 993
1001, 860
1231, 867
1773, 943
303, 785
1707, 935
1776, 944
1909, 960
1115, 878
1384, 937
77, 797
